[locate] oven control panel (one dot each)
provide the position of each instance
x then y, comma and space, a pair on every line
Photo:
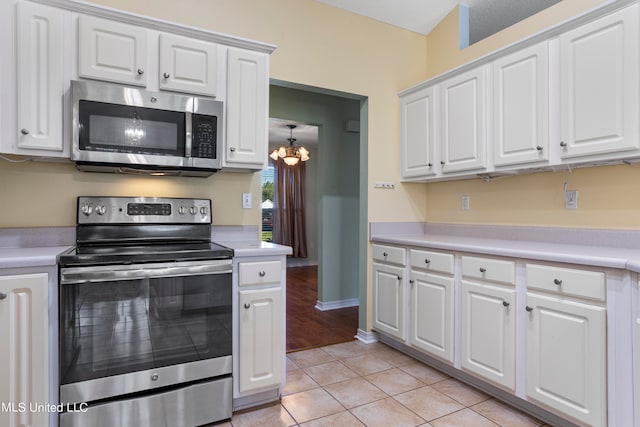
143, 210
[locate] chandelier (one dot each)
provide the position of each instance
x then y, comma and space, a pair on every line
291, 154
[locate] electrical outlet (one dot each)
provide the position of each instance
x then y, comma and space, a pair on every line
385, 185
465, 203
571, 199
246, 200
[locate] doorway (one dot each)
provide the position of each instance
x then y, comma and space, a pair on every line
341, 228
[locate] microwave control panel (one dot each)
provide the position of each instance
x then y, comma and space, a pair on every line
203, 136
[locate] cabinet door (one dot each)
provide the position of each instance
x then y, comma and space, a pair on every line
24, 356
112, 51
431, 314
566, 357
488, 332
521, 106
247, 109
188, 65
464, 122
417, 133
388, 300
261, 349
599, 86
40, 78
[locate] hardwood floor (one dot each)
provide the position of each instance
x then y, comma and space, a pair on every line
308, 327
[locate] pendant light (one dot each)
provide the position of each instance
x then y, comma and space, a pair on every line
291, 154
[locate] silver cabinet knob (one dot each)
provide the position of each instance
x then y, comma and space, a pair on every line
483, 270
24, 131
506, 304
539, 148
232, 149
412, 281
399, 278
155, 377
430, 164
262, 274
384, 254
3, 295
166, 75
529, 309
563, 144
140, 71
442, 163
427, 261
557, 281
247, 306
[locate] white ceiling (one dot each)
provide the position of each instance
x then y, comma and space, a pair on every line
304, 134
421, 16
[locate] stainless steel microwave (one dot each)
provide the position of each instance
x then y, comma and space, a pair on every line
130, 130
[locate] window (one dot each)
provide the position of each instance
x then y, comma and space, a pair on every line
267, 203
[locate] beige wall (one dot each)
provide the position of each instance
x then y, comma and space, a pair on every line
323, 47
607, 196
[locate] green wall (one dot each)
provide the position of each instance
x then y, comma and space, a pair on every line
339, 201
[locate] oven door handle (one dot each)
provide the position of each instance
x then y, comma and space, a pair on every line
110, 273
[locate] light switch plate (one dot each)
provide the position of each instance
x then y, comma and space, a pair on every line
246, 200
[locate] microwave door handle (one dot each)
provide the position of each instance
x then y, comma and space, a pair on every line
76, 275
188, 137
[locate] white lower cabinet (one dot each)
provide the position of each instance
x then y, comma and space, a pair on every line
389, 300
431, 314
261, 338
566, 357
261, 324
24, 358
488, 332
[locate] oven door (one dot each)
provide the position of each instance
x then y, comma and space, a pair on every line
133, 328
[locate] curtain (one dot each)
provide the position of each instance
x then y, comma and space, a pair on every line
289, 226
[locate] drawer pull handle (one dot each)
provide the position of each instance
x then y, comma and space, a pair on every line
3, 295
529, 309
24, 131
247, 306
483, 270
563, 144
384, 254
262, 274
506, 304
166, 75
412, 281
427, 261
399, 278
140, 71
539, 148
557, 282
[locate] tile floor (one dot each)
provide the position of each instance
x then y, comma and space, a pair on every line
357, 384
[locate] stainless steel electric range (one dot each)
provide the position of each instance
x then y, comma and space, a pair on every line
145, 316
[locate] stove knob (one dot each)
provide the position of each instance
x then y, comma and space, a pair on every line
182, 210
204, 210
101, 210
87, 209
193, 210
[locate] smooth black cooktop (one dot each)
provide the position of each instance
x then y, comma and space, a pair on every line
83, 255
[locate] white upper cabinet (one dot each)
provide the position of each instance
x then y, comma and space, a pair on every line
464, 122
112, 51
521, 106
599, 86
247, 109
40, 81
188, 65
417, 115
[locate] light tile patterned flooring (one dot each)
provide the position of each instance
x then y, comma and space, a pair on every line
357, 384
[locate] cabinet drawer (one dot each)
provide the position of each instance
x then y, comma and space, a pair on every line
566, 281
431, 261
258, 273
495, 270
389, 254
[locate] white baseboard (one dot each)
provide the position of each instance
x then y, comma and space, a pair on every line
332, 305
367, 337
